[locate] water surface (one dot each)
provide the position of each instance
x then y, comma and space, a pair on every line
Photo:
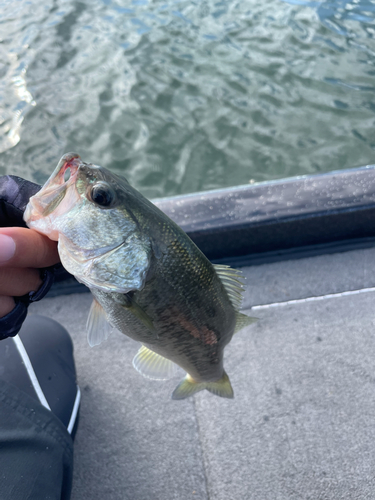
182, 96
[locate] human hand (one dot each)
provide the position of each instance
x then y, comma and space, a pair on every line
24, 258
23, 253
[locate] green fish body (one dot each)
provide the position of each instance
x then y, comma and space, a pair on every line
148, 279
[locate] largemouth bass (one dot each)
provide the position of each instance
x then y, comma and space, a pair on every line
148, 279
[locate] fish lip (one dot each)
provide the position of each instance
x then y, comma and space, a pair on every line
55, 185
69, 160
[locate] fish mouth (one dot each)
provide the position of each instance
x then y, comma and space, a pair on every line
49, 198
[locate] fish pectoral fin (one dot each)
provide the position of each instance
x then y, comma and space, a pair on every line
97, 326
131, 305
242, 320
187, 387
151, 365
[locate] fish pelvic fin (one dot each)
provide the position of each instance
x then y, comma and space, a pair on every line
188, 387
242, 320
97, 326
151, 365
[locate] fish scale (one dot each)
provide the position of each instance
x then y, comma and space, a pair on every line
148, 279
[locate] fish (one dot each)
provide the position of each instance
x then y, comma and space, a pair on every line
147, 277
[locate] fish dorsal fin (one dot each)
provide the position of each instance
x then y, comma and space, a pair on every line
231, 279
97, 326
242, 320
152, 365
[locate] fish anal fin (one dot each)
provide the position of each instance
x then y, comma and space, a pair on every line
151, 365
188, 387
242, 320
97, 326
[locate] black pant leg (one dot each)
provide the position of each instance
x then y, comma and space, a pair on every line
36, 451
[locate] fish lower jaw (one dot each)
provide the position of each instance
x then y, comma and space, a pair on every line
37, 225
32, 215
27, 217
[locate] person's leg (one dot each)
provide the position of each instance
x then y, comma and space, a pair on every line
39, 402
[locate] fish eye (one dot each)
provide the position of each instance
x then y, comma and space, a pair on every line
102, 194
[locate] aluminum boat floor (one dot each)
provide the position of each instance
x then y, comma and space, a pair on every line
301, 425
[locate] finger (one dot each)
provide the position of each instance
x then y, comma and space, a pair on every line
31, 249
17, 281
7, 304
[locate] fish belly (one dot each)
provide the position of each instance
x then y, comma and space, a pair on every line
198, 355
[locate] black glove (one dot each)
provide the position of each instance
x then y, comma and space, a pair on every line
14, 196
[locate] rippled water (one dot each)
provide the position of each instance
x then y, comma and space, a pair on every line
183, 96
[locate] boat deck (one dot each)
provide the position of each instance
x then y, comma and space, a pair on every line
301, 425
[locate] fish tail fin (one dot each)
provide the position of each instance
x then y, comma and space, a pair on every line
187, 387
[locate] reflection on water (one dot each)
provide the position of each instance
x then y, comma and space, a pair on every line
11, 119
187, 95
332, 13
